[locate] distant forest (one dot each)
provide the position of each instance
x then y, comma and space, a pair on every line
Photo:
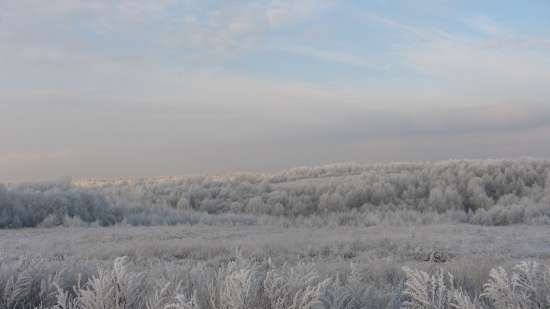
487, 192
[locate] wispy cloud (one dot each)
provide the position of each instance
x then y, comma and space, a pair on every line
363, 125
231, 26
330, 56
487, 26
95, 13
498, 65
31, 157
414, 32
500, 36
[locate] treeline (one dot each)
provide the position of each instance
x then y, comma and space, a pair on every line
494, 192
439, 187
29, 205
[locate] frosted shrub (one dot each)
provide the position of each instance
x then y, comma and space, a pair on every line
28, 282
242, 288
242, 284
163, 297
115, 289
528, 286
353, 295
206, 286
290, 287
73, 222
17, 289
424, 291
183, 302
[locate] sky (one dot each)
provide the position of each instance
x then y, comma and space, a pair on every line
105, 88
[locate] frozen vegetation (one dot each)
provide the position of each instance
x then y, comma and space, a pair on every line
486, 192
424, 266
453, 234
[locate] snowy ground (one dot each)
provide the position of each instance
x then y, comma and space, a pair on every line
399, 244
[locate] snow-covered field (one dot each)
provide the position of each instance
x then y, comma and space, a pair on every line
336, 244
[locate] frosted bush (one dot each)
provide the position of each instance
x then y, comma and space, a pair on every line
527, 286
115, 289
243, 284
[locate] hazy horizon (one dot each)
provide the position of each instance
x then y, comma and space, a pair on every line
104, 88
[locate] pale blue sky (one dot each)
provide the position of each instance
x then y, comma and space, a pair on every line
119, 87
